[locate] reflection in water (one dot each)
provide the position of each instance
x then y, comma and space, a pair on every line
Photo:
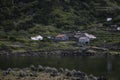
89, 65
109, 63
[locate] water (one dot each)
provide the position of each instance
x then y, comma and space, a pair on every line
109, 67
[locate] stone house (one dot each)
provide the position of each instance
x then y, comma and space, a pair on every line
79, 34
83, 41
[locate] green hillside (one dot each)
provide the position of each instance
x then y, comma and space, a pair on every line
24, 14
20, 19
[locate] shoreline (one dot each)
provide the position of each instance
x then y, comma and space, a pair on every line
60, 52
46, 73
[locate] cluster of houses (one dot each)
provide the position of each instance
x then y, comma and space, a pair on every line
80, 37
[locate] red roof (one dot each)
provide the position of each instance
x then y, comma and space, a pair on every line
60, 35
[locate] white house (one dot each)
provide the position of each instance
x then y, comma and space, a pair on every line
90, 36
118, 28
109, 19
38, 37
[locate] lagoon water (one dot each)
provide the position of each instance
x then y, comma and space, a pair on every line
109, 67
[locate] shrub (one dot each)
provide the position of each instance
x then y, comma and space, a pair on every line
12, 38
5, 47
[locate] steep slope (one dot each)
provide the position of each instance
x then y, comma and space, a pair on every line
23, 14
21, 19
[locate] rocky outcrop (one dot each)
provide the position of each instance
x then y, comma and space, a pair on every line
40, 72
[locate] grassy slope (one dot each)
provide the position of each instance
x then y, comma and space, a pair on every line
28, 18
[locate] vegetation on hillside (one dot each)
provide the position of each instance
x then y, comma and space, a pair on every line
20, 19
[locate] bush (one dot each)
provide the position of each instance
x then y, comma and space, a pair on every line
3, 34
12, 38
5, 47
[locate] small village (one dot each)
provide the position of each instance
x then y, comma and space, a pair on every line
82, 39
59, 39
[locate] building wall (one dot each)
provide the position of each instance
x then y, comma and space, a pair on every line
62, 38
